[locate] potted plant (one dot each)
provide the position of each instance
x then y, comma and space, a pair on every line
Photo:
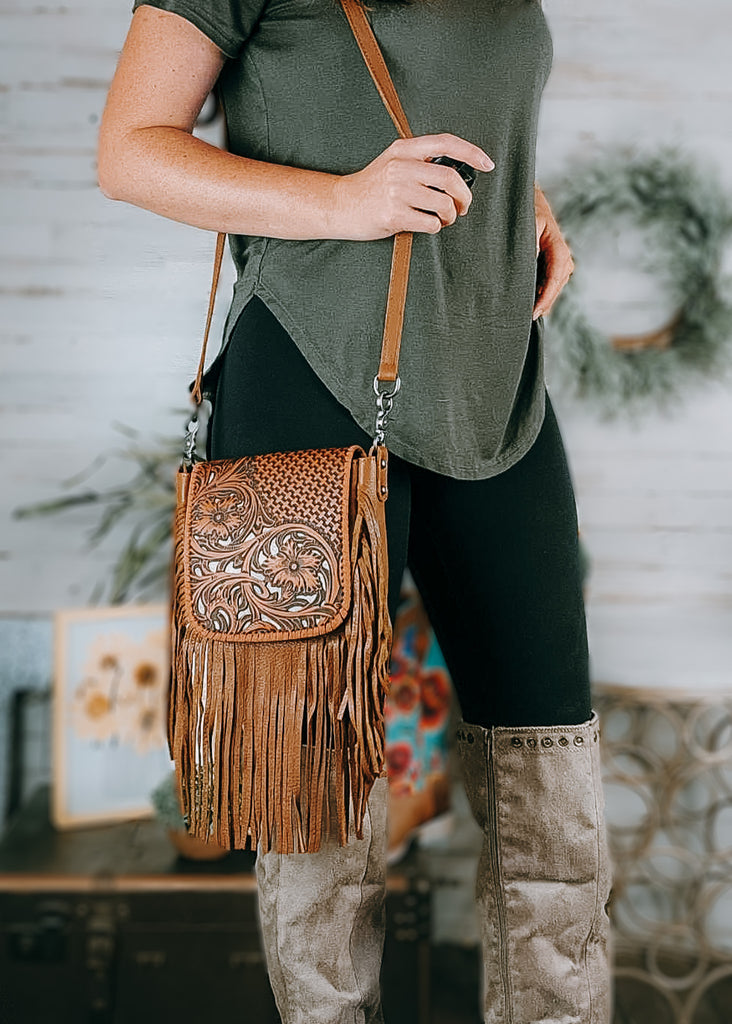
168, 812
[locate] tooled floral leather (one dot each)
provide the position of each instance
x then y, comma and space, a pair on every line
266, 544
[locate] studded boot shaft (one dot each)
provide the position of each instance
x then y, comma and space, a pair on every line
543, 877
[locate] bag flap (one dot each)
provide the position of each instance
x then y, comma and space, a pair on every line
266, 552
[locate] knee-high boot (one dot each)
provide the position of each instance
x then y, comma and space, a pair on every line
322, 919
544, 873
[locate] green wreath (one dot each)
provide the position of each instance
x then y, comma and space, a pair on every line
688, 218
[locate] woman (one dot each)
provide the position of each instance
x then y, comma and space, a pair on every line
480, 504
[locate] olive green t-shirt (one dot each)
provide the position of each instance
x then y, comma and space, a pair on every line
296, 91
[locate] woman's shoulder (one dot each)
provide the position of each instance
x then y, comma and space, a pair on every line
227, 23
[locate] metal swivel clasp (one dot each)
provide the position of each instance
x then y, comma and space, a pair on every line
384, 402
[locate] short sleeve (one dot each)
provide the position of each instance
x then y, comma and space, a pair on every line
227, 23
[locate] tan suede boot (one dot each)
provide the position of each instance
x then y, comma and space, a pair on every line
322, 919
544, 872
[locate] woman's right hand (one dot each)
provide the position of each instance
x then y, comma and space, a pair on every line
401, 190
149, 156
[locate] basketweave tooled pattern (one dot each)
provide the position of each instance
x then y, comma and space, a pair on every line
314, 486
264, 541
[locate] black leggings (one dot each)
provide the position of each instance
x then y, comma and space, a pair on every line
496, 561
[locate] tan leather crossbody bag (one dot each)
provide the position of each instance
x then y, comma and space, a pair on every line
280, 627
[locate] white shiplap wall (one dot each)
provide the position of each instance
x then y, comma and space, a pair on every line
99, 299
655, 498
101, 306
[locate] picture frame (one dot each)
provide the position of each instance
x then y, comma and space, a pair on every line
109, 747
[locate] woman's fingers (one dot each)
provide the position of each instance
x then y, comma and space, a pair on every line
422, 220
402, 190
558, 268
446, 179
425, 197
448, 195
556, 264
423, 147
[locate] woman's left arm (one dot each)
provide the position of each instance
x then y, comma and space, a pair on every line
555, 259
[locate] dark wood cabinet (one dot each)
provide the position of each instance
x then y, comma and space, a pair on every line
107, 925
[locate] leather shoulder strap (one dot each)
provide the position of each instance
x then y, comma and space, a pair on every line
374, 58
401, 254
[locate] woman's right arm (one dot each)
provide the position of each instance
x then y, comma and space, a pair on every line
149, 156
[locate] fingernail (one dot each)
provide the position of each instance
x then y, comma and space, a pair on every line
488, 164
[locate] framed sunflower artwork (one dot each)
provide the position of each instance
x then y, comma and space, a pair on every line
109, 699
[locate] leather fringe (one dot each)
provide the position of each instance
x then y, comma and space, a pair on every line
254, 728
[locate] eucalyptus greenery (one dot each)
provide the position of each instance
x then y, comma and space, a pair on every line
687, 218
166, 803
144, 505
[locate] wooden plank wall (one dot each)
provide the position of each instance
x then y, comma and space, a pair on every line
101, 305
655, 498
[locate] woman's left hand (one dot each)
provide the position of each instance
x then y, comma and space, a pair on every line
555, 259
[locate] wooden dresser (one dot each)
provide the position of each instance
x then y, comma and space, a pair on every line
108, 924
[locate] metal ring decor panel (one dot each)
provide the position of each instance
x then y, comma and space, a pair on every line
667, 766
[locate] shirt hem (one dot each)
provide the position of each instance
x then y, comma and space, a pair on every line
451, 468
495, 467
